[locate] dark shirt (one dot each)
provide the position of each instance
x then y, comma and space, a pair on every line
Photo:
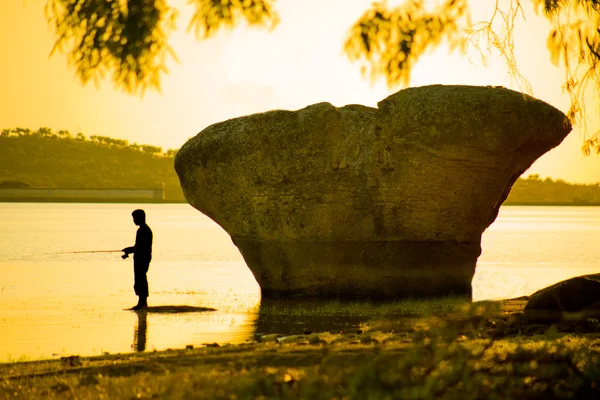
142, 250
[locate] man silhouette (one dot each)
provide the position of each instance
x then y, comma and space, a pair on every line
142, 255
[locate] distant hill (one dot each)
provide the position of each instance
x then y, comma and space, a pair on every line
44, 158
534, 190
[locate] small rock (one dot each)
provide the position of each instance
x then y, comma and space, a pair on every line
314, 340
339, 340
269, 338
394, 338
290, 339
368, 340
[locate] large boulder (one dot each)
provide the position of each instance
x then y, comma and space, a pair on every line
574, 298
368, 202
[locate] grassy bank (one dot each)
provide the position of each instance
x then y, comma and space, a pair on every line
439, 350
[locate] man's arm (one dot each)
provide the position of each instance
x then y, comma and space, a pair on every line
129, 250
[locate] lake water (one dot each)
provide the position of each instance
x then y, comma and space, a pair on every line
53, 305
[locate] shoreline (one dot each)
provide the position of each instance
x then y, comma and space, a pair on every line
428, 358
401, 312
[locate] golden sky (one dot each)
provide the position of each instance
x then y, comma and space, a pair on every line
247, 71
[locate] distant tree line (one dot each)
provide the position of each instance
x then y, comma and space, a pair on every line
44, 158
535, 190
103, 141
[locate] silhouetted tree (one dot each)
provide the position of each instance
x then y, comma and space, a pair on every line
135, 147
63, 134
44, 131
151, 149
105, 141
129, 38
120, 143
22, 131
171, 152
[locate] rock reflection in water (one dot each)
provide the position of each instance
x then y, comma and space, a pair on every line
298, 316
303, 316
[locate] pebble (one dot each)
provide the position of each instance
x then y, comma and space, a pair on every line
270, 338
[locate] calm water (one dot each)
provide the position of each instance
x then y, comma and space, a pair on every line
53, 305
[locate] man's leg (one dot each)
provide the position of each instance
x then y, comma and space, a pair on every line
140, 285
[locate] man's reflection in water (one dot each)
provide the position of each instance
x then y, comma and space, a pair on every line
140, 334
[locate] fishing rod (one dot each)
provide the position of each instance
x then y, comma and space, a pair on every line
90, 251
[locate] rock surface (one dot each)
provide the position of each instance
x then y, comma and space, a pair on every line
368, 202
575, 298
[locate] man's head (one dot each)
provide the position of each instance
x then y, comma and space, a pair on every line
139, 217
